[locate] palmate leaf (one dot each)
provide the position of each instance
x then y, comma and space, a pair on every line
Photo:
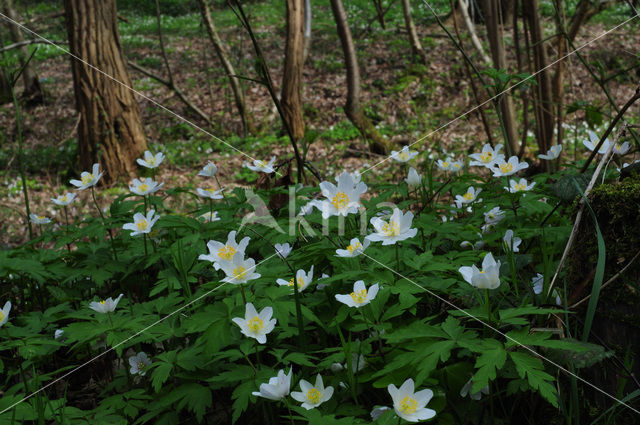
490, 361
533, 369
195, 397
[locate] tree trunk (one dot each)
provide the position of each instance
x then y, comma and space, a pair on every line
352, 106
110, 129
543, 106
32, 89
307, 29
221, 51
291, 96
416, 46
491, 9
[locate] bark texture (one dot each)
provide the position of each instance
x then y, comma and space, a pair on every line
416, 46
491, 9
110, 130
291, 96
352, 107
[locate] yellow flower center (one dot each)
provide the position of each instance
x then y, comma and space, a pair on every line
64, 198
87, 179
300, 281
102, 302
239, 272
261, 164
151, 160
468, 196
518, 187
142, 225
445, 164
40, 217
392, 228
314, 396
455, 165
141, 365
618, 146
1, 316
403, 155
226, 252
211, 190
408, 405
143, 187
359, 297
340, 201
351, 248
256, 324
506, 167
486, 156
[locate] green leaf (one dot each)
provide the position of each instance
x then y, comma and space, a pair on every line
161, 369
532, 368
490, 361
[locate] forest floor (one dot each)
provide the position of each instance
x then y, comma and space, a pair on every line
405, 99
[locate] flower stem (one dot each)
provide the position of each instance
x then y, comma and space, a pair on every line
486, 300
66, 219
95, 201
146, 252
244, 298
110, 321
512, 266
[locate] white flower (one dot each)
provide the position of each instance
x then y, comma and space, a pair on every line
552, 153
410, 405
511, 243
621, 149
302, 278
356, 176
220, 252
58, 334
4, 313
283, 250
39, 219
444, 165
87, 179
487, 278
354, 249
208, 170
150, 160
144, 187
139, 363
312, 395
64, 200
493, 216
256, 325
474, 396
360, 296
398, 228
470, 196
593, 142
142, 224
404, 155
239, 270
210, 216
538, 282
456, 166
308, 207
487, 157
277, 388
210, 193
413, 178
378, 411
519, 186
263, 166
506, 168
105, 306
342, 199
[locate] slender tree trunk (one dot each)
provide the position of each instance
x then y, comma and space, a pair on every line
110, 129
464, 11
291, 96
380, 12
221, 51
32, 89
543, 107
416, 46
491, 9
352, 106
307, 29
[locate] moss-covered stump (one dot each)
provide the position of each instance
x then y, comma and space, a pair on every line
617, 319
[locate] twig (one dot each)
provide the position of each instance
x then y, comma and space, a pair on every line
582, 203
474, 37
28, 42
616, 276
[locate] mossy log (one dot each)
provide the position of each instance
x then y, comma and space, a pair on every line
617, 318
